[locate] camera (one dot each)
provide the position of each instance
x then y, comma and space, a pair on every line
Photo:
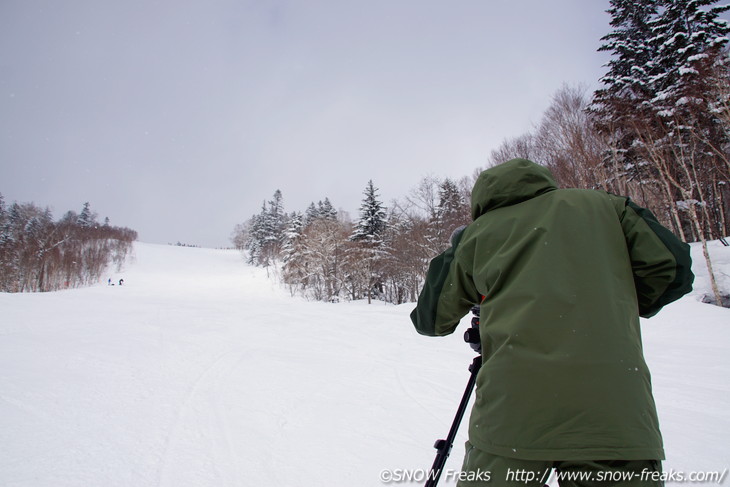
471, 335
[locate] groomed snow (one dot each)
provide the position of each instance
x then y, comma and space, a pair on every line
201, 371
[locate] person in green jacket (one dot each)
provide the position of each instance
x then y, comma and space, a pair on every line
562, 277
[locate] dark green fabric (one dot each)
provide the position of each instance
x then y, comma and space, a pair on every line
563, 273
482, 469
682, 283
424, 316
499, 187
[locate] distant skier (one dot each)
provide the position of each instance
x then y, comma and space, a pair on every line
562, 276
121, 281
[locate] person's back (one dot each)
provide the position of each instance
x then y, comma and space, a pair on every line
556, 272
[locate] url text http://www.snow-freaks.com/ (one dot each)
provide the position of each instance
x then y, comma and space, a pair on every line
404, 476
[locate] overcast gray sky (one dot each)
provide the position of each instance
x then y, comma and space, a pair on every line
179, 118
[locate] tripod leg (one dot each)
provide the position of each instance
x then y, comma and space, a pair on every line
443, 447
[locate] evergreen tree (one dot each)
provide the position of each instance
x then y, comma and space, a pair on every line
626, 86
452, 206
372, 221
5, 233
256, 238
292, 236
276, 216
684, 38
311, 214
627, 79
659, 48
15, 221
450, 211
6, 248
3, 211
70, 218
323, 210
86, 217
326, 210
684, 135
369, 256
659, 102
265, 234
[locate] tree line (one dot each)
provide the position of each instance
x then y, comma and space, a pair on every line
657, 131
323, 255
40, 254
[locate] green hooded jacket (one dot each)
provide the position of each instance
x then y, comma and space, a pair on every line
562, 276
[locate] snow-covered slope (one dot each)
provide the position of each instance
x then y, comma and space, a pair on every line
201, 371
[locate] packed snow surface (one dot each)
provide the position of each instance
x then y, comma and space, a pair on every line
202, 371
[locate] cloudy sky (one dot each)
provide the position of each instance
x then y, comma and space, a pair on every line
179, 118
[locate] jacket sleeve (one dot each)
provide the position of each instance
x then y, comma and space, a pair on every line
447, 295
660, 262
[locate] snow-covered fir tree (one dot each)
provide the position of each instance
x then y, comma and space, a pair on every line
4, 228
451, 206
293, 255
691, 63
322, 210
292, 236
451, 210
627, 81
265, 234
326, 210
310, 214
254, 239
686, 36
372, 221
662, 93
7, 257
86, 217
276, 216
369, 255
660, 50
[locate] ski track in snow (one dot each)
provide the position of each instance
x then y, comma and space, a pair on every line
205, 388
201, 371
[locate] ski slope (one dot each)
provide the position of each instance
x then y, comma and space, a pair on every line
202, 371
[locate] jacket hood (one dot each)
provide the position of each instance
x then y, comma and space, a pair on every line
510, 183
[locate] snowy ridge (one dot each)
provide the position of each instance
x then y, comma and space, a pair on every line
201, 371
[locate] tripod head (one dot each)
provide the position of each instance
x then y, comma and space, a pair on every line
471, 335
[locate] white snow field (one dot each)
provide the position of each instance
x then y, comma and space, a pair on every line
202, 371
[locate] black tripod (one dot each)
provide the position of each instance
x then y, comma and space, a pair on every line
443, 447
